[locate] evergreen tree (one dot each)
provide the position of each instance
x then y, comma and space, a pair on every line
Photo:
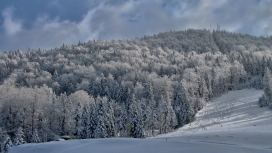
120, 120
163, 115
151, 116
101, 129
7, 144
110, 119
135, 119
266, 99
91, 123
78, 120
35, 137
214, 83
19, 139
182, 106
187, 111
84, 122
203, 90
65, 114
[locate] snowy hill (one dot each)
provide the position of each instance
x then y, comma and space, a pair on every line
233, 119
231, 123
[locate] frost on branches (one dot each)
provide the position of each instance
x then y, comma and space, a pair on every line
130, 88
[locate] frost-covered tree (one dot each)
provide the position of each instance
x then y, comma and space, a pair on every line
135, 119
85, 122
150, 114
78, 120
7, 144
162, 113
110, 119
100, 129
182, 105
65, 114
120, 120
266, 99
91, 122
203, 90
35, 137
19, 137
41, 89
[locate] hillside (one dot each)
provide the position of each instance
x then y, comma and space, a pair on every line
232, 119
126, 88
231, 123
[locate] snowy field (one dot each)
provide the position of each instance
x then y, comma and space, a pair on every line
232, 123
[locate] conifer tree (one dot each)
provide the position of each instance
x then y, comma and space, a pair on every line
84, 122
135, 119
19, 139
91, 122
266, 99
78, 120
101, 129
7, 144
35, 137
110, 118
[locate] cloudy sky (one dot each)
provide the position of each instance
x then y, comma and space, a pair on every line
50, 23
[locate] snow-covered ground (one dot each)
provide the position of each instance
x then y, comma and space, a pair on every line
232, 123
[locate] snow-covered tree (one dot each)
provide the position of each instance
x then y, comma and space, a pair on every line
110, 119
65, 114
91, 122
35, 137
7, 144
266, 99
84, 122
19, 137
120, 120
135, 119
41, 89
167, 116
101, 129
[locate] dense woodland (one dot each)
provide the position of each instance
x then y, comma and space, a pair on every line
128, 88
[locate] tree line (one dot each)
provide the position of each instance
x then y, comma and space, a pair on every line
130, 88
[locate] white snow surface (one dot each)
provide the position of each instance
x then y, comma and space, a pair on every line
232, 123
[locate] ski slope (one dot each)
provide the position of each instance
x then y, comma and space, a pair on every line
231, 123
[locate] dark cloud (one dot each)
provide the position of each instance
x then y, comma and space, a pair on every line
48, 24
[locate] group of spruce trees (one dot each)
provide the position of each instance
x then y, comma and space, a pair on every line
129, 88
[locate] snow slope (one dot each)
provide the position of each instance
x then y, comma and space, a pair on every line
231, 123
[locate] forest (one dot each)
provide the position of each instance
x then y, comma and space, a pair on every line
126, 88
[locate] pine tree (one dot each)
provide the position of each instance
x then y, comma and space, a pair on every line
35, 137
91, 123
120, 120
163, 115
203, 91
78, 120
214, 83
100, 130
162, 71
146, 117
171, 116
110, 119
84, 122
150, 112
135, 119
182, 105
7, 144
266, 99
42, 129
19, 139
187, 111
173, 119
